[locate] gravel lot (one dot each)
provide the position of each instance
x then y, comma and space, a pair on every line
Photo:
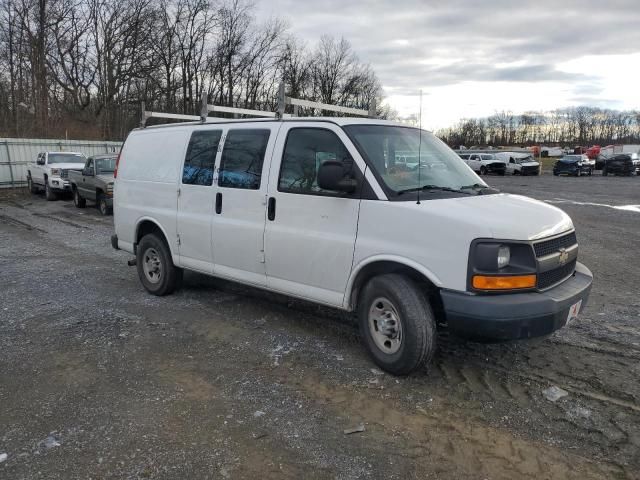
98, 379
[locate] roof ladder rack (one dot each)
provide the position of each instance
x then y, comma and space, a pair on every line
283, 101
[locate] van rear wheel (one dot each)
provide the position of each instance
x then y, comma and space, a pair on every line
156, 270
396, 324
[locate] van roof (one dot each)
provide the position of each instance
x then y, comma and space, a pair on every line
342, 121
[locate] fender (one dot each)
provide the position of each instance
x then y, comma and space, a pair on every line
174, 256
432, 277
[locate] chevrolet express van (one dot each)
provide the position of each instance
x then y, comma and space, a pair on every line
329, 210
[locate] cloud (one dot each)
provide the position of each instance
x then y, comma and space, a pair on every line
418, 44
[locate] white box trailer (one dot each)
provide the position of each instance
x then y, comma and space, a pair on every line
615, 149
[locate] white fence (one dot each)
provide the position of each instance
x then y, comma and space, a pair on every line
17, 153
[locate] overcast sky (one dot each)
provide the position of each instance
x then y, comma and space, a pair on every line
472, 58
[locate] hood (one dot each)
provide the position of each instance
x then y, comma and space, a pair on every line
502, 216
67, 166
529, 164
568, 160
105, 177
490, 162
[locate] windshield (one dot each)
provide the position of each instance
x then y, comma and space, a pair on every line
105, 165
65, 158
392, 152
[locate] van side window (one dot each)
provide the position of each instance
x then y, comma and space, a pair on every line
201, 157
305, 150
242, 158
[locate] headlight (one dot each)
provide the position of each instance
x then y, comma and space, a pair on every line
504, 256
501, 266
55, 171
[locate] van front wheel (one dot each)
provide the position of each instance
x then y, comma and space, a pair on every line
396, 324
156, 270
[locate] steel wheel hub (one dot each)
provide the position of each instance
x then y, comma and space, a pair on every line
385, 325
152, 265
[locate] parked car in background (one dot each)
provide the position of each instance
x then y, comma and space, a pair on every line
484, 163
51, 170
622, 164
575, 165
600, 161
312, 208
546, 152
519, 163
95, 182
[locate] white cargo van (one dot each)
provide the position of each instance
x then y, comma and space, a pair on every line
519, 163
331, 211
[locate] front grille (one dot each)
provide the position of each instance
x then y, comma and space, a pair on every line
547, 247
64, 173
496, 167
531, 169
551, 277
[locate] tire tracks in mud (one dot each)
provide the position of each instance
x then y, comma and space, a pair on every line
19, 223
441, 439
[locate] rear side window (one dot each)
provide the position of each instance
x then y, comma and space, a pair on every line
242, 158
306, 149
201, 157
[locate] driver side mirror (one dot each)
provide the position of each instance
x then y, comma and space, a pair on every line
332, 176
40, 161
87, 172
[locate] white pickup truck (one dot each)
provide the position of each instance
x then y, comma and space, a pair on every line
327, 210
484, 163
50, 172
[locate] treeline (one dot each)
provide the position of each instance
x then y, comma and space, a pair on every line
566, 127
81, 68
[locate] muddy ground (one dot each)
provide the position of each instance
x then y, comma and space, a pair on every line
98, 379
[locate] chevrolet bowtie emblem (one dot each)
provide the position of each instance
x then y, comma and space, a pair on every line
564, 256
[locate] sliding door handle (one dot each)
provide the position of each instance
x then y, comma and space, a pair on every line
218, 203
271, 208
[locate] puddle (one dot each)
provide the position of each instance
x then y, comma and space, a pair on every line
627, 208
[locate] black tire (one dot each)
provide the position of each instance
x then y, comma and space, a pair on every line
101, 203
150, 250
32, 187
501, 174
417, 343
78, 201
49, 194
604, 172
483, 170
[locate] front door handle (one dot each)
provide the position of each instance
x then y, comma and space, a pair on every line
271, 208
218, 203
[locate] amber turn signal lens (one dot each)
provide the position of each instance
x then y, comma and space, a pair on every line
482, 282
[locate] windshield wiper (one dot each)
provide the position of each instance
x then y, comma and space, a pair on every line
481, 189
433, 187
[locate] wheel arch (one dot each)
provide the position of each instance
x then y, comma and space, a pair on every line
146, 225
379, 265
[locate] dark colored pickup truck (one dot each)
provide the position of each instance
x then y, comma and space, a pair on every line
95, 183
622, 164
